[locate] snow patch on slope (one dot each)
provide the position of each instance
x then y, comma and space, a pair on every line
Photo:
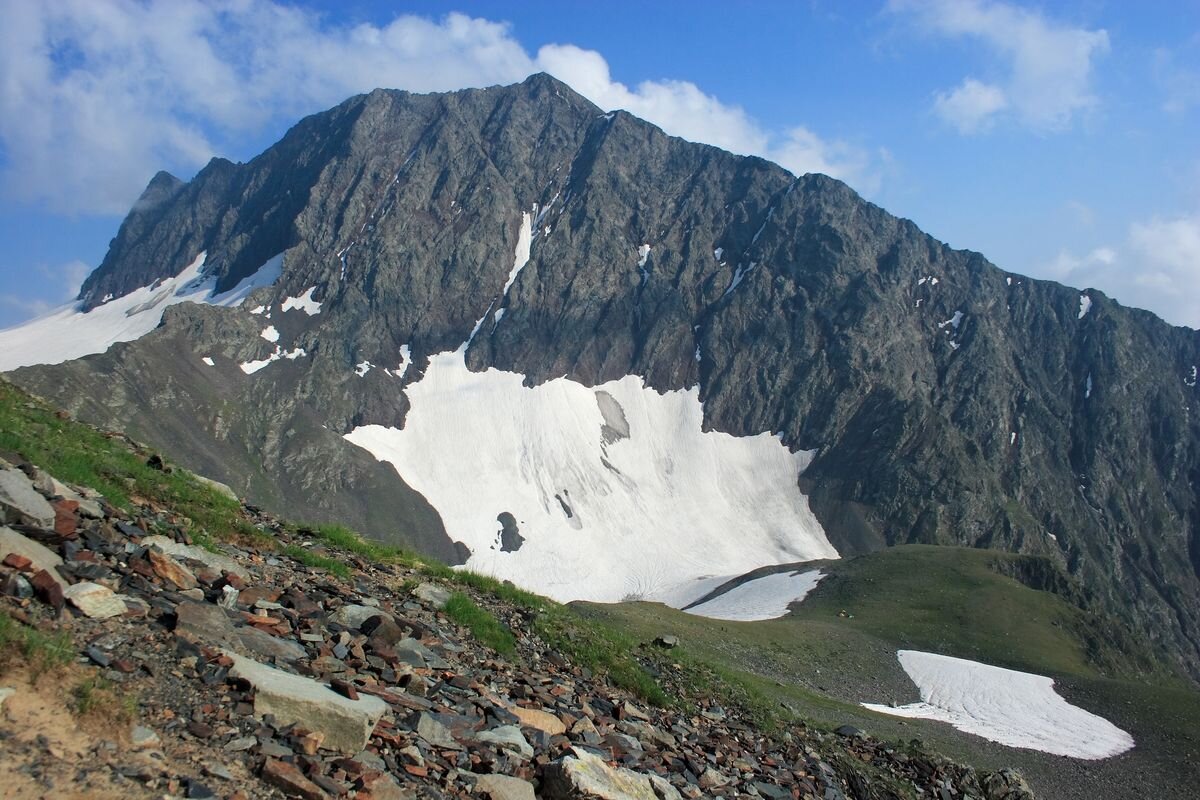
604, 515
767, 597
303, 303
68, 332
1085, 305
1016, 709
251, 367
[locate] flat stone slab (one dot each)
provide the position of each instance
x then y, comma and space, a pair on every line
542, 720
211, 560
503, 787
20, 502
94, 600
587, 775
293, 699
41, 556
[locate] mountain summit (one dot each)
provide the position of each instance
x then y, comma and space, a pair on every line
512, 329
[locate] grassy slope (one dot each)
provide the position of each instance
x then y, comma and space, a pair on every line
818, 664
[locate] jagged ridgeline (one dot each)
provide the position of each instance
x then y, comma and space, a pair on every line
597, 357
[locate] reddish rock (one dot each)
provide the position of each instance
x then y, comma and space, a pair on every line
66, 517
48, 590
253, 594
171, 570
291, 780
18, 562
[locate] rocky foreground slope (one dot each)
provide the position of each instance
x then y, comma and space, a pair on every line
946, 401
280, 665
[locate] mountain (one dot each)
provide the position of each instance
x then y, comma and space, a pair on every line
599, 356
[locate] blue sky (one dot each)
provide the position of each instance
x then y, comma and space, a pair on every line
1061, 140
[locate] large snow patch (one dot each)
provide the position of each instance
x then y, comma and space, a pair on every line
1017, 709
616, 491
67, 332
767, 597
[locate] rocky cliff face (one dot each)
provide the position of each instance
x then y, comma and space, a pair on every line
948, 401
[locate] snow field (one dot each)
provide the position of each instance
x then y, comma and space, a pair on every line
605, 514
1016, 709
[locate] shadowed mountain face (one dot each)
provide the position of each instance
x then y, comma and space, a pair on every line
948, 401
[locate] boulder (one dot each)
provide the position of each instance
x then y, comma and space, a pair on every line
292, 699
94, 600
21, 503
587, 775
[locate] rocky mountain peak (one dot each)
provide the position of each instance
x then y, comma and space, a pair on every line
943, 400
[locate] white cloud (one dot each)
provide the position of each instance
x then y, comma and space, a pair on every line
1157, 267
1046, 65
682, 109
971, 106
99, 96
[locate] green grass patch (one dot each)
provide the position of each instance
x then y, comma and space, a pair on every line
317, 561
600, 647
82, 455
485, 627
99, 697
41, 652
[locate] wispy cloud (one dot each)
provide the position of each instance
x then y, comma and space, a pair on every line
1041, 68
99, 96
1156, 266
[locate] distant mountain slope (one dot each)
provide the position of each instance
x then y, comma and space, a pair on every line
947, 401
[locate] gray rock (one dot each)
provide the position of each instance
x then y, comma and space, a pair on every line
292, 699
94, 600
507, 737
503, 787
264, 644
5, 693
143, 738
216, 485
353, 616
41, 556
21, 503
436, 733
586, 775
432, 594
207, 623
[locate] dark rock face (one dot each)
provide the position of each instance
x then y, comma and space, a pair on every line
950, 401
